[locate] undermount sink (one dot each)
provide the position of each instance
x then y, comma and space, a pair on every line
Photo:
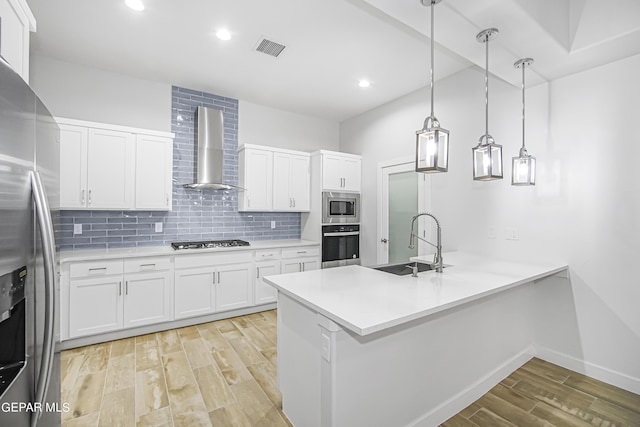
403, 268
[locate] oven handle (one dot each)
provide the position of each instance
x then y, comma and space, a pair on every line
49, 254
342, 233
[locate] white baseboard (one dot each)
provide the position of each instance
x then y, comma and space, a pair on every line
594, 371
472, 393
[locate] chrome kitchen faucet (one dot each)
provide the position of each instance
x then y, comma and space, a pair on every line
437, 258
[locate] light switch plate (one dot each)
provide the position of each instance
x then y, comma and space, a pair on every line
511, 233
158, 227
77, 228
273, 225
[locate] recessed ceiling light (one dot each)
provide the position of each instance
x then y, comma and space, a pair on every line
364, 83
223, 34
135, 4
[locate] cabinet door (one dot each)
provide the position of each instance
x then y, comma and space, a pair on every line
147, 298
233, 288
195, 292
300, 183
73, 167
258, 180
310, 264
331, 177
282, 198
350, 169
265, 293
95, 305
14, 46
153, 172
291, 266
110, 166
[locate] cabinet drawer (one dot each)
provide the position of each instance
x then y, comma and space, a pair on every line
137, 265
300, 252
96, 268
267, 254
212, 259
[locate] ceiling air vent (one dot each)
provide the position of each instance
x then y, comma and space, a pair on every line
270, 47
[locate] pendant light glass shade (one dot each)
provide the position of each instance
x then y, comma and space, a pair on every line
487, 155
523, 167
432, 141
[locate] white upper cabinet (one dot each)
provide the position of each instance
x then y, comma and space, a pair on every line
110, 162
153, 172
73, 167
275, 180
105, 167
16, 23
255, 168
341, 172
291, 179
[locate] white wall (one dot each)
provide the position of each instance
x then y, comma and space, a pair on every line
262, 125
583, 210
79, 92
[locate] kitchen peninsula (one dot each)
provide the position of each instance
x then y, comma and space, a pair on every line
357, 346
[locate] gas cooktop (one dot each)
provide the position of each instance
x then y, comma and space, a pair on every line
206, 244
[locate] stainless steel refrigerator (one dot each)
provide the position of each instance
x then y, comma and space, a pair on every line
29, 201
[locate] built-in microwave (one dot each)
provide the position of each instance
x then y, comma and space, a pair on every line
340, 208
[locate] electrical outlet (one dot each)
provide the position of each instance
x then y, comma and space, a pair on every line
511, 233
158, 227
491, 233
77, 228
273, 225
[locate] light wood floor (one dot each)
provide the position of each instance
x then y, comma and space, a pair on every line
220, 373
543, 394
224, 374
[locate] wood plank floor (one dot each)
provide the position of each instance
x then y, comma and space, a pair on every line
215, 374
224, 374
542, 394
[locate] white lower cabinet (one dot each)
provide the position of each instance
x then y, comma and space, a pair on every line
205, 284
299, 259
265, 293
95, 305
115, 294
147, 298
111, 295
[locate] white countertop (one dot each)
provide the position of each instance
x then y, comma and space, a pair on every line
365, 301
101, 254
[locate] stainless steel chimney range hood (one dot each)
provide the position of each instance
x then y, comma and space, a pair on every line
210, 153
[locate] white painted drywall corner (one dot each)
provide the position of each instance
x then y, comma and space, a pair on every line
262, 125
85, 93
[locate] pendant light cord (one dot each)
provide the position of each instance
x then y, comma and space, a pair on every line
432, 48
523, 67
486, 85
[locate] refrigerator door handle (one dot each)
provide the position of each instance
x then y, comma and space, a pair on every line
49, 253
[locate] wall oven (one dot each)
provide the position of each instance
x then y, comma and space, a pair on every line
340, 208
340, 245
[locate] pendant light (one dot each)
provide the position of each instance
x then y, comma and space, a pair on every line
523, 171
487, 155
432, 141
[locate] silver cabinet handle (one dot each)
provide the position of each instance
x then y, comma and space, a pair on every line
167, 202
384, 240
301, 252
97, 268
119, 288
147, 265
258, 273
89, 196
218, 277
294, 202
302, 264
248, 202
43, 214
83, 196
214, 278
126, 287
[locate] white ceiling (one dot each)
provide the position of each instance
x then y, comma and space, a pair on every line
331, 44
